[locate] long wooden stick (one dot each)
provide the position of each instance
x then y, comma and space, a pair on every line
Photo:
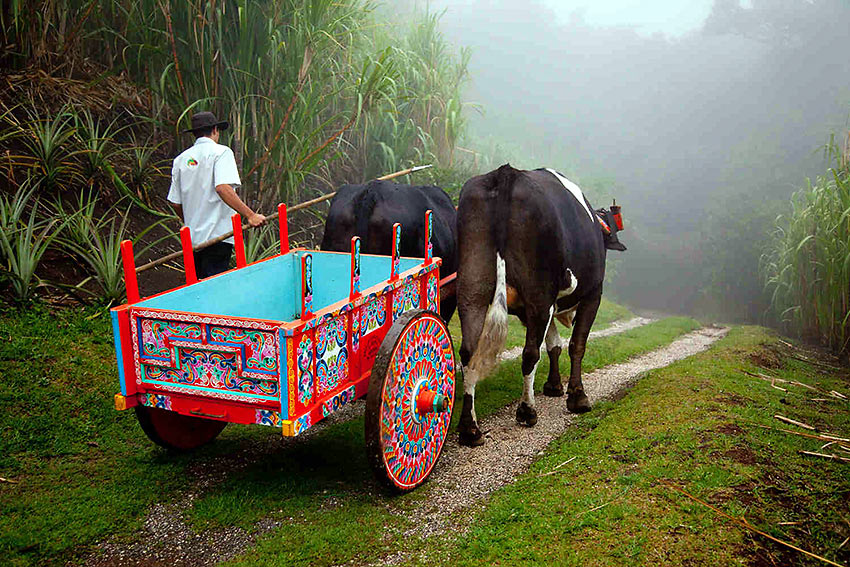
298, 207
794, 422
744, 523
825, 456
822, 437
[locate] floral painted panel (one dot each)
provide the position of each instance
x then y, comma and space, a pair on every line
433, 294
305, 369
355, 331
154, 334
331, 355
261, 347
268, 417
212, 370
302, 424
336, 402
406, 297
151, 400
373, 315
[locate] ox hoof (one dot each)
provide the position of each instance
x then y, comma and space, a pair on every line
471, 438
553, 390
526, 414
577, 402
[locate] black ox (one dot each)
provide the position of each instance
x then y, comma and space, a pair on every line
370, 210
530, 245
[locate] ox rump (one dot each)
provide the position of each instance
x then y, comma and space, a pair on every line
370, 210
531, 245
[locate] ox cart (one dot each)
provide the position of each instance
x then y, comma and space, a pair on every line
288, 341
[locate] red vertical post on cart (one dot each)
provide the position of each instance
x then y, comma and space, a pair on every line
238, 240
188, 255
284, 228
394, 269
131, 283
429, 227
354, 288
306, 286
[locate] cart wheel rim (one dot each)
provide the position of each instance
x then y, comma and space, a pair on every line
411, 442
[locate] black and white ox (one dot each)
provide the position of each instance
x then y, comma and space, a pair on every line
370, 210
530, 245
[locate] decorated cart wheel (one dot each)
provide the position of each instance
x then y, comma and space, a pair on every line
410, 399
177, 432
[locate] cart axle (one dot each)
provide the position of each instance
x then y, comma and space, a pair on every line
431, 402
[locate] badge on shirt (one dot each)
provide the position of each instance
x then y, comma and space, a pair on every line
192, 162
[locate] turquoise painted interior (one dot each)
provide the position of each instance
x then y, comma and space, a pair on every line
272, 289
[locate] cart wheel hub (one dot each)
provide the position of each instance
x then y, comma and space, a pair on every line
428, 401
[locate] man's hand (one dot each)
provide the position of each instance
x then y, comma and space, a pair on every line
229, 196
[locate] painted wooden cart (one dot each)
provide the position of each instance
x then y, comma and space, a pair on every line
288, 341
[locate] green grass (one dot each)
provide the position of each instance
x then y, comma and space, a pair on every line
81, 470
84, 472
687, 424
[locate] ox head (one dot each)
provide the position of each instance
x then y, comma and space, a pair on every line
611, 221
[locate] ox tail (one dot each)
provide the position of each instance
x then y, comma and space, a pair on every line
502, 189
495, 329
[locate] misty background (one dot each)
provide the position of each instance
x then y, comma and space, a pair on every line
701, 118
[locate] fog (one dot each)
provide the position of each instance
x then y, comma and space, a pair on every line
701, 131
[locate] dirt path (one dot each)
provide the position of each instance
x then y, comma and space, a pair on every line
463, 477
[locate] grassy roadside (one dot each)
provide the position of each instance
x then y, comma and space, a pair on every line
348, 519
689, 425
82, 471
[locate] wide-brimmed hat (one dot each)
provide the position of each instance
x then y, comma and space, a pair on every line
203, 120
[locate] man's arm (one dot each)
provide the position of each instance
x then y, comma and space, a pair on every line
229, 196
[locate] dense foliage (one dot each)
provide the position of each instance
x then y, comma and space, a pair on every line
317, 92
807, 268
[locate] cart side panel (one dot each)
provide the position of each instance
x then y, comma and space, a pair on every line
208, 357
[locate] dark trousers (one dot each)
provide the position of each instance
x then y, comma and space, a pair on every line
213, 259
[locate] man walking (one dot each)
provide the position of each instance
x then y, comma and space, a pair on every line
203, 182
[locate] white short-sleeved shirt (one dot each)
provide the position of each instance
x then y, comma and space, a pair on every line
194, 177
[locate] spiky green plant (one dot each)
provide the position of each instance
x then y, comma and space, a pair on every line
261, 242
23, 241
96, 240
807, 270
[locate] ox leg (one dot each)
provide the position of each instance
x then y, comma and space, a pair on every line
468, 432
577, 401
536, 329
554, 343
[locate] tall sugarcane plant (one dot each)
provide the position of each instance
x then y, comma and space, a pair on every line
807, 269
316, 90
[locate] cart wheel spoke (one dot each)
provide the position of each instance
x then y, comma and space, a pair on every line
410, 400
